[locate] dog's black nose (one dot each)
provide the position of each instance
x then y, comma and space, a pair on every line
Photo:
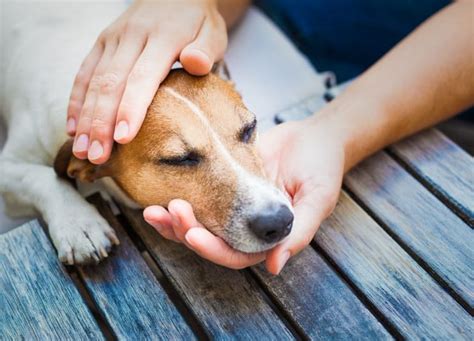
272, 225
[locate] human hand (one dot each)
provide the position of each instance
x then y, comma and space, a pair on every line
118, 79
179, 224
306, 160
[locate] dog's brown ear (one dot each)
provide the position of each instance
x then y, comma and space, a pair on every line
67, 166
220, 69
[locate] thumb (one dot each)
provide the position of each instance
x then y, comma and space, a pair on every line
209, 46
309, 212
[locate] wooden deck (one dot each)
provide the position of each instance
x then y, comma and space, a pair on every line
395, 260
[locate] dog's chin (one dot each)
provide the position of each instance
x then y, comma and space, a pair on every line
246, 242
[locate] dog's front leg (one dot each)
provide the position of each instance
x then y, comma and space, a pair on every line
79, 233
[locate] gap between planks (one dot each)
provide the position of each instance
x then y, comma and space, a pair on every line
104, 327
423, 264
433, 189
167, 285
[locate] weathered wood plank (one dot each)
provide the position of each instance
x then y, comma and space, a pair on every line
128, 295
445, 168
228, 304
400, 289
38, 299
432, 232
318, 301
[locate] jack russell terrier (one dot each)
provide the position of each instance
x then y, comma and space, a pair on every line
197, 143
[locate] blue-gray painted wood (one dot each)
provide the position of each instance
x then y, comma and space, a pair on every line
443, 167
226, 302
318, 301
416, 217
38, 299
396, 285
128, 294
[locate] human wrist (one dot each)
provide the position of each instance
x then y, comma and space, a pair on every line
354, 123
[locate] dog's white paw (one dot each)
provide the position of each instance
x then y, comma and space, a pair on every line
82, 239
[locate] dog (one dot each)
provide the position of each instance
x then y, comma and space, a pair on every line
197, 143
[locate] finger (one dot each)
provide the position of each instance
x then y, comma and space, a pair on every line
81, 142
79, 88
148, 72
214, 249
209, 46
112, 83
160, 219
309, 212
182, 217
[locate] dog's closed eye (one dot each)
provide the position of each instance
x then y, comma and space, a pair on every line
247, 132
189, 159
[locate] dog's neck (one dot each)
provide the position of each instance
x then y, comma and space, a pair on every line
117, 193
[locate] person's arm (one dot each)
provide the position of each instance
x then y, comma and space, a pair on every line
428, 77
425, 79
118, 79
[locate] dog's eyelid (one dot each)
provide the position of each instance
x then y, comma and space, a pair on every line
191, 158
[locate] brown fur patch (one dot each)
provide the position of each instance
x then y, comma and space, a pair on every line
171, 129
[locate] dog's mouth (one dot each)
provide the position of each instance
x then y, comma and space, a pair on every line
253, 231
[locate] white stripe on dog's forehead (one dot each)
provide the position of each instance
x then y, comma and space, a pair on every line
254, 187
198, 112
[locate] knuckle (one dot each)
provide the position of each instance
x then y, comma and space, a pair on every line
86, 114
100, 128
134, 27
109, 82
99, 124
94, 84
104, 36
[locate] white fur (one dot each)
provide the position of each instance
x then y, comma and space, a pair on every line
42, 46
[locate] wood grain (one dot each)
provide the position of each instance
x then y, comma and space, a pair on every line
432, 232
318, 301
400, 289
228, 304
128, 295
445, 168
38, 299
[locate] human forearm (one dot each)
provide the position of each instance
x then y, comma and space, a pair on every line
428, 77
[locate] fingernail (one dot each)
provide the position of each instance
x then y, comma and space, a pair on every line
81, 144
95, 151
202, 54
121, 130
284, 258
71, 125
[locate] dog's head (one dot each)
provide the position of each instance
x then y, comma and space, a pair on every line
197, 143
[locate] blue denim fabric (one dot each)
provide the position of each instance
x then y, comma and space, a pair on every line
347, 36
